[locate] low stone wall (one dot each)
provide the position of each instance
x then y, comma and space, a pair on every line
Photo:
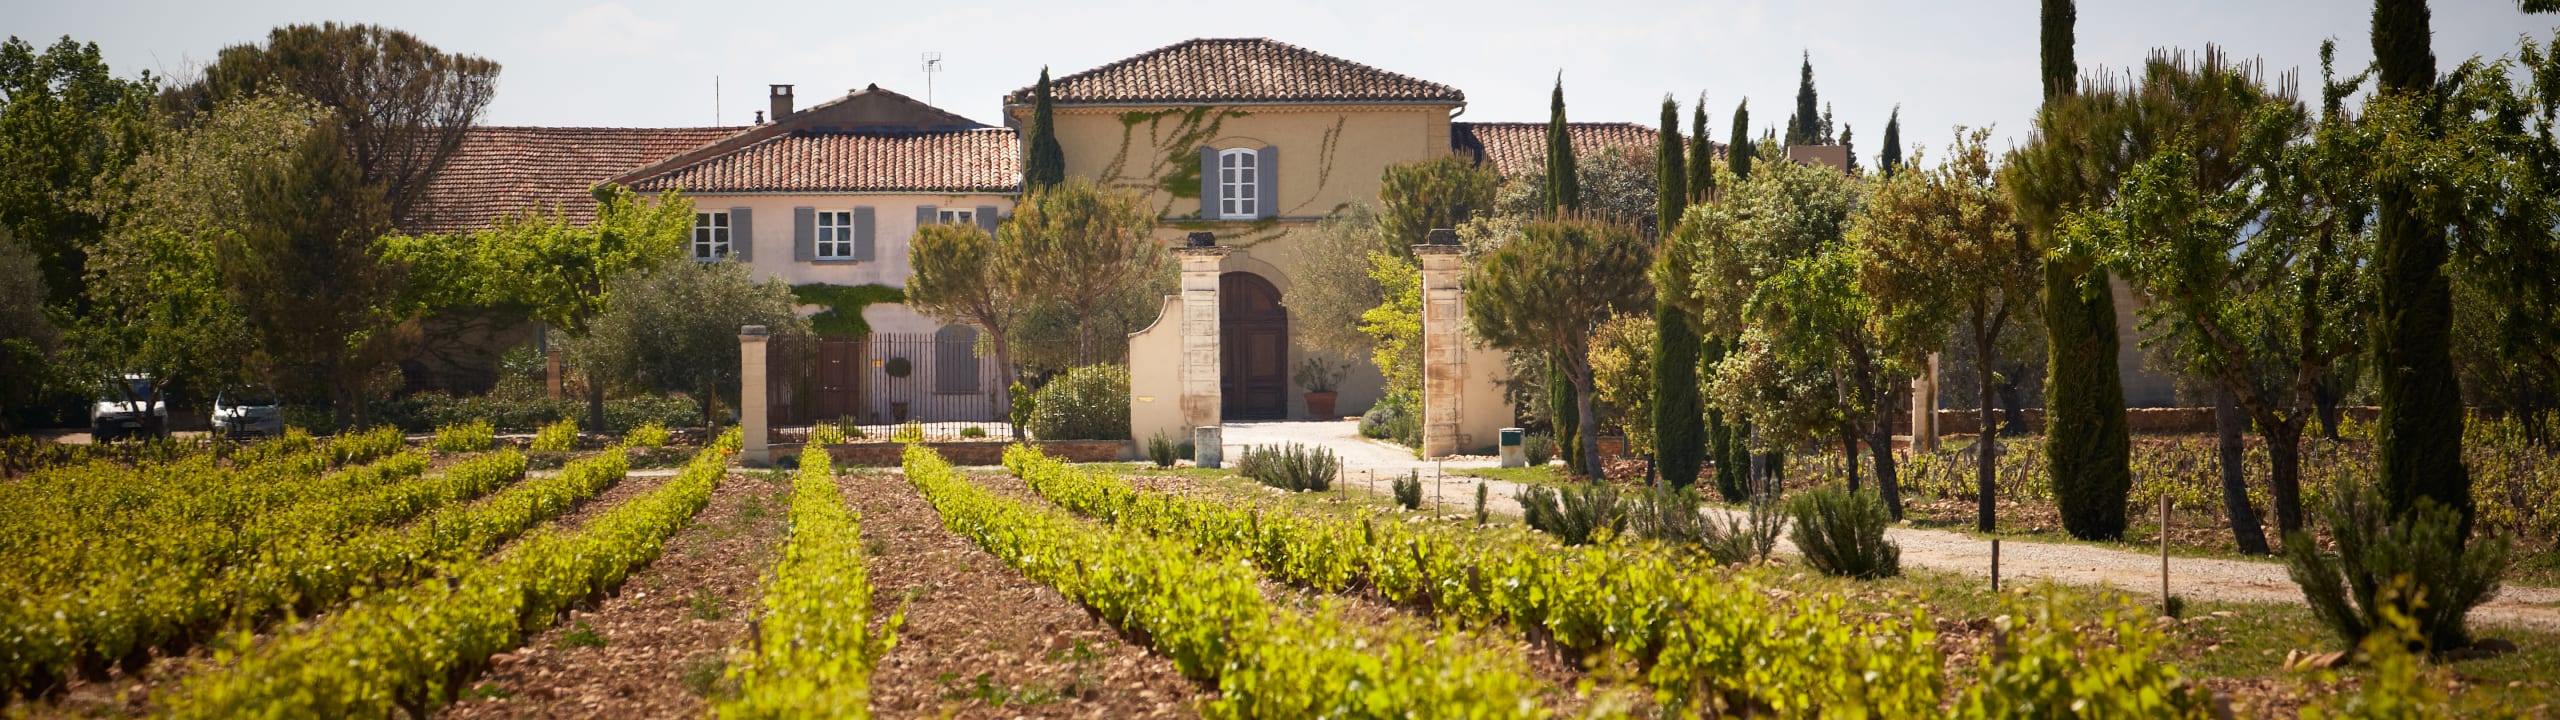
974, 452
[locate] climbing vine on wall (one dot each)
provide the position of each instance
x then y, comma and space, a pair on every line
843, 316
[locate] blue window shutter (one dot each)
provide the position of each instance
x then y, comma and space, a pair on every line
1209, 187
1266, 182
742, 234
987, 219
927, 215
863, 234
804, 234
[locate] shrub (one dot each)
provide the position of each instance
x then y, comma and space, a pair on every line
1746, 537
648, 435
473, 436
1842, 533
2423, 550
1575, 515
1293, 467
1086, 403
1538, 449
1409, 490
1393, 418
973, 432
425, 412
1160, 450
730, 440
825, 434
561, 436
366, 446
1670, 515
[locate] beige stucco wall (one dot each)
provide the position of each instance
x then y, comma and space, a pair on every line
1155, 378
893, 224
1482, 411
1329, 155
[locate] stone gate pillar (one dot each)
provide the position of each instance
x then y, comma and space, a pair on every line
1924, 408
1443, 343
755, 450
1201, 403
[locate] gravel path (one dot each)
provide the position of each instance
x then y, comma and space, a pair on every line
2139, 572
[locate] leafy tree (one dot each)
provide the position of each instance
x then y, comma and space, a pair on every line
2507, 312
1081, 245
159, 298
401, 105
1548, 290
1394, 325
1945, 252
2071, 159
1702, 153
27, 337
1417, 197
1622, 373
1333, 288
1805, 126
960, 274
1044, 163
1564, 186
675, 328
1738, 154
1679, 420
2420, 451
66, 125
1890, 159
306, 273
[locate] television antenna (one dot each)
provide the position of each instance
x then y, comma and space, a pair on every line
932, 64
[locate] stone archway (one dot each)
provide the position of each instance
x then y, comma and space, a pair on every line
1253, 341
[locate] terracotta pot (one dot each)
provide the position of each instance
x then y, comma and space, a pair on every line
1320, 404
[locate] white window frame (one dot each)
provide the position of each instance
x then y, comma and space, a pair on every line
1239, 184
711, 240
835, 235
957, 217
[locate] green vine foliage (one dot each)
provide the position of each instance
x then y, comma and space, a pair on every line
843, 316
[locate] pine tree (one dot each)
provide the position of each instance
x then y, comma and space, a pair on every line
1678, 422
1564, 186
1702, 153
1891, 159
1739, 154
1805, 127
2420, 454
1045, 163
2087, 448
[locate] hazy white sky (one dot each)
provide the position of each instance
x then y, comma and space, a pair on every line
653, 62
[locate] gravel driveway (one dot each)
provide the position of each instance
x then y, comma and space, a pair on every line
1368, 464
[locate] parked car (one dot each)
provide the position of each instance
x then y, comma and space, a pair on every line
120, 410
248, 411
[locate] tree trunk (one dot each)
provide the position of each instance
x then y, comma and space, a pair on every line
1986, 446
1560, 400
2012, 407
1006, 380
1586, 419
595, 405
2284, 452
2227, 423
1880, 443
1849, 454
2325, 398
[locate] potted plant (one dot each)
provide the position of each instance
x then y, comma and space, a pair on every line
1320, 379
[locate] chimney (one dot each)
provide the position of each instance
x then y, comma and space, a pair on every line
781, 102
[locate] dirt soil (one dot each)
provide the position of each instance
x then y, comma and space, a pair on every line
658, 646
982, 641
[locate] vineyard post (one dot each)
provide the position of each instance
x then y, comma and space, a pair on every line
2164, 554
1995, 565
1437, 508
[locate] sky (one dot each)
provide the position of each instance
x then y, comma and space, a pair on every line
660, 63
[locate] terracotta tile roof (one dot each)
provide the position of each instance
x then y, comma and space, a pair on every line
1236, 70
983, 160
1520, 148
504, 171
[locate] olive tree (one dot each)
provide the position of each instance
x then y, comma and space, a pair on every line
675, 328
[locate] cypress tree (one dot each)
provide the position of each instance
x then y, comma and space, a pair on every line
2086, 445
1739, 154
1891, 159
1702, 153
2420, 453
1564, 186
1850, 144
1045, 163
1805, 127
1678, 424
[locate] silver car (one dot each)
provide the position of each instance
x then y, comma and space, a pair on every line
250, 411
124, 408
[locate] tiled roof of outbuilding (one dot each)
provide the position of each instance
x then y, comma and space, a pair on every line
1237, 70
505, 171
985, 160
1520, 148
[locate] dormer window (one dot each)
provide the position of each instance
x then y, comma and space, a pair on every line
1239, 194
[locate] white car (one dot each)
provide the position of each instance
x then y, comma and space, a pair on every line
250, 411
114, 415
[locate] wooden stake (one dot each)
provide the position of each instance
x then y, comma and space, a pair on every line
2164, 554
1995, 565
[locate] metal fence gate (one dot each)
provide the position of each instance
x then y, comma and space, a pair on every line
934, 383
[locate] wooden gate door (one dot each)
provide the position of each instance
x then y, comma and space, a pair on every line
839, 378
1253, 348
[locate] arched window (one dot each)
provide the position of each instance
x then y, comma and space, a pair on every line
955, 359
1238, 184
